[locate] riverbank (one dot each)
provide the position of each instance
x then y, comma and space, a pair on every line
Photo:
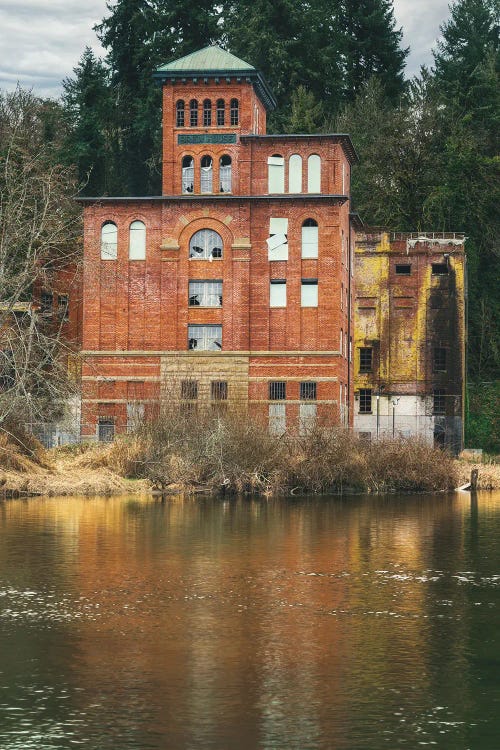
236, 459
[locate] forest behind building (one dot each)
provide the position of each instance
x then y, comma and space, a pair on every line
428, 146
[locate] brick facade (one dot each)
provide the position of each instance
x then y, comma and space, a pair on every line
138, 324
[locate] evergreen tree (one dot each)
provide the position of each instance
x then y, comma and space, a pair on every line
372, 47
307, 114
89, 144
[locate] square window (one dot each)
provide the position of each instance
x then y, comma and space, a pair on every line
403, 269
309, 293
277, 293
277, 390
439, 269
439, 359
365, 359
365, 401
189, 389
218, 390
308, 391
439, 401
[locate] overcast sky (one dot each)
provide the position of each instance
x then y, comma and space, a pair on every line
42, 40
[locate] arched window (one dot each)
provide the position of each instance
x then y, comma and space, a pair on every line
137, 241
314, 174
221, 112
310, 239
295, 174
205, 245
207, 174
225, 176
276, 174
193, 113
109, 241
341, 342
180, 113
187, 174
235, 112
207, 113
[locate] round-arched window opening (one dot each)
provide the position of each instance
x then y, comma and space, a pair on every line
193, 113
180, 119
205, 245
207, 173
187, 174
109, 241
221, 112
225, 174
234, 112
207, 113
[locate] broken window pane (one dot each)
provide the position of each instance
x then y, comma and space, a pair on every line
206, 178
205, 338
187, 174
205, 245
109, 241
205, 293
225, 174
277, 243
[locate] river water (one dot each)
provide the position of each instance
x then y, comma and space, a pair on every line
311, 624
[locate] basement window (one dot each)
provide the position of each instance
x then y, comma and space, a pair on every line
365, 359
189, 390
403, 269
205, 293
439, 359
439, 269
205, 338
218, 390
439, 401
365, 401
277, 390
308, 391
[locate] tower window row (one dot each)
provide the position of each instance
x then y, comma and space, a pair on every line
207, 174
207, 115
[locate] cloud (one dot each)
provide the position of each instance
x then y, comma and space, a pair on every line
42, 40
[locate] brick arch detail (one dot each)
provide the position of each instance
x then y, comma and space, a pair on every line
200, 221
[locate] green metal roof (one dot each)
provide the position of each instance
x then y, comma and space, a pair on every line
215, 62
205, 60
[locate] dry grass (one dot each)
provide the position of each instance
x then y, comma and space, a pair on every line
488, 474
237, 455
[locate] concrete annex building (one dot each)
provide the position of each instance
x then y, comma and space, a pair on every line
234, 287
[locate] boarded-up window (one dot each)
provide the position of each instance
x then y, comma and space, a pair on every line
137, 241
135, 415
295, 174
187, 174
225, 174
277, 419
309, 239
314, 174
277, 242
276, 174
309, 293
205, 245
207, 173
307, 418
277, 293
109, 241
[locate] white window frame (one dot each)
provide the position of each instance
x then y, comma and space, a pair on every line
314, 174
109, 241
277, 293
206, 242
295, 174
205, 338
310, 241
208, 293
276, 174
309, 293
137, 241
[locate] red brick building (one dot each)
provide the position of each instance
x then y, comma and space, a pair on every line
234, 285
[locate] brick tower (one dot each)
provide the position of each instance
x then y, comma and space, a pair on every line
233, 289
